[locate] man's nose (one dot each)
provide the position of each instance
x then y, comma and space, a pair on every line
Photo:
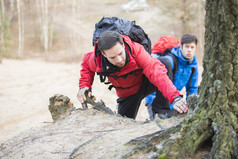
118, 59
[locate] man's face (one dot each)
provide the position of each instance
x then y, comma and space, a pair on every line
116, 55
189, 50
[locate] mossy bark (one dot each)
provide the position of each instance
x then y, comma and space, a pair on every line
214, 119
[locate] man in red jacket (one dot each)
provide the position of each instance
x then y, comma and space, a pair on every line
132, 72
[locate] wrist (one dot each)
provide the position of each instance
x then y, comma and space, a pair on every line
176, 99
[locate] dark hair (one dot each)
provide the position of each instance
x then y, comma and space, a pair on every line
188, 38
108, 39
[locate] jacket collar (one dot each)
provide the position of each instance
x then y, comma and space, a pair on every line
178, 53
105, 64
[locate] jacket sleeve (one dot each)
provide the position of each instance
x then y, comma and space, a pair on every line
194, 84
88, 71
155, 71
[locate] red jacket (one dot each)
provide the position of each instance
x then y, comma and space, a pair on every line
139, 61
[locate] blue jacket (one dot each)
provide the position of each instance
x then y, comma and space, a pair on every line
184, 71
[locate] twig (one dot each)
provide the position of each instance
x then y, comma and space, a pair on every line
157, 121
99, 105
101, 131
81, 145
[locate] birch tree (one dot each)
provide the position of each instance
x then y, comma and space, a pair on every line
44, 24
73, 32
186, 16
20, 29
12, 5
45, 29
2, 41
51, 23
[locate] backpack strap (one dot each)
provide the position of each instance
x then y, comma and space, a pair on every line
189, 82
175, 60
103, 79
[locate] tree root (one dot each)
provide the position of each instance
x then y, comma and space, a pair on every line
191, 134
173, 142
225, 143
73, 155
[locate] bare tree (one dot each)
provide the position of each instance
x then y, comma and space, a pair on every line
44, 24
73, 32
45, 29
214, 121
2, 41
12, 5
185, 16
20, 29
51, 22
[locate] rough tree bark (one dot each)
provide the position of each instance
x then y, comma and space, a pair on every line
214, 120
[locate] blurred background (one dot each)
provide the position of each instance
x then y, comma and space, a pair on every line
42, 43
62, 29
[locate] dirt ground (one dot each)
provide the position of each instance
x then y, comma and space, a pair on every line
27, 85
83, 134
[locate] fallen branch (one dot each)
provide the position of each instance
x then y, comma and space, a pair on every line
81, 145
97, 105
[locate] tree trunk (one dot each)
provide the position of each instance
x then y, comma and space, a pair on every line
214, 120
22, 28
45, 23
51, 23
74, 41
44, 38
186, 16
19, 29
201, 29
12, 5
2, 30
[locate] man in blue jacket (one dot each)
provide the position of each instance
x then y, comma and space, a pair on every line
186, 76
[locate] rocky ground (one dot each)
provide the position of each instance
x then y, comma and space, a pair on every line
27, 85
83, 134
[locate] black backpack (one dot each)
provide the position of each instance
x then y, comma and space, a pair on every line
125, 27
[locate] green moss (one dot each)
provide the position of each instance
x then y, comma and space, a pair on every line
163, 156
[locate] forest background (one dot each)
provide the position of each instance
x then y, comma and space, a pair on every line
42, 43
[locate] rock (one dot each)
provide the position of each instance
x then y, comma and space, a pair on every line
60, 106
92, 133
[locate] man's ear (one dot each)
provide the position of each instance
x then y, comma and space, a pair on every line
103, 54
181, 46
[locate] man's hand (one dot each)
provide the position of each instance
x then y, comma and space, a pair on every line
81, 94
180, 105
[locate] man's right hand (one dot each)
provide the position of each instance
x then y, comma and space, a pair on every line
180, 105
81, 94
